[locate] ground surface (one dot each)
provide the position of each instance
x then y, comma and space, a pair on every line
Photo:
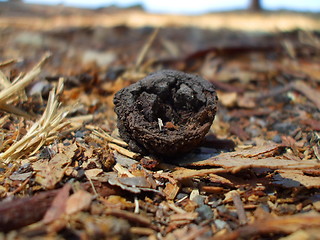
64, 173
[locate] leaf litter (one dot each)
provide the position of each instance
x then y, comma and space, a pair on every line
66, 173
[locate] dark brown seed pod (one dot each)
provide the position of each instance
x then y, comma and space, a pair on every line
167, 113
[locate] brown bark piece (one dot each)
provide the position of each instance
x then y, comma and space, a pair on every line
58, 205
286, 224
24, 211
171, 190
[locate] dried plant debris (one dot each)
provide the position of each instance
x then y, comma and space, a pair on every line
21, 212
45, 128
264, 156
167, 113
65, 172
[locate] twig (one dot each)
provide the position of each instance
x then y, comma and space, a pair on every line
135, 218
8, 62
92, 186
14, 110
239, 206
122, 171
141, 231
82, 118
124, 151
145, 48
173, 207
109, 138
18, 189
136, 205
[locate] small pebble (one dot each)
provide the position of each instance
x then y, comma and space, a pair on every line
220, 224
277, 139
284, 127
205, 212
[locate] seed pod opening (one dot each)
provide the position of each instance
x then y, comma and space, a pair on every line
167, 113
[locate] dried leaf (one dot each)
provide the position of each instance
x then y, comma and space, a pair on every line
20, 176
235, 164
78, 201
69, 151
58, 205
140, 182
190, 173
114, 180
310, 93
228, 99
171, 190
314, 124
214, 178
240, 132
254, 157
286, 224
256, 151
90, 173
246, 101
295, 178
49, 173
189, 216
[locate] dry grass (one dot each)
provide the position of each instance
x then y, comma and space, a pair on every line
44, 129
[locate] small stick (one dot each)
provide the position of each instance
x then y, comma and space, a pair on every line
136, 205
124, 151
173, 207
82, 118
239, 206
8, 62
141, 231
109, 138
14, 110
92, 186
132, 217
146, 47
123, 171
18, 189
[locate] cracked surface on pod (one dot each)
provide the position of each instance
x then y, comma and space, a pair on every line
167, 113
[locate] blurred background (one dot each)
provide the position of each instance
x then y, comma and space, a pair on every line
111, 33
190, 7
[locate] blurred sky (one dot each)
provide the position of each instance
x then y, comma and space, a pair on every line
190, 6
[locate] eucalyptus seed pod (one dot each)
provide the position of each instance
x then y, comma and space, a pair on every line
167, 113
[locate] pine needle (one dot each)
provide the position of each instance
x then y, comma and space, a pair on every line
11, 91
46, 128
